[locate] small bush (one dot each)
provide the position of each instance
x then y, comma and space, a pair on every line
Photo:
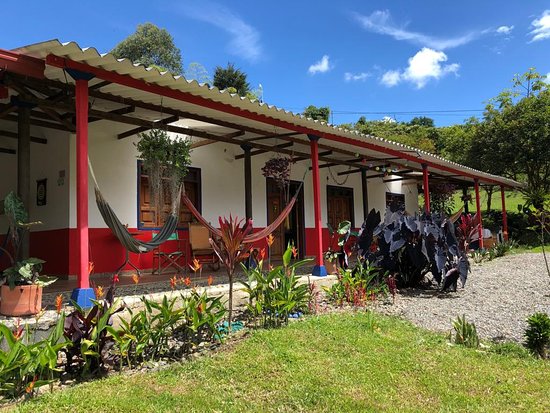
358, 285
501, 249
275, 295
465, 333
509, 349
537, 334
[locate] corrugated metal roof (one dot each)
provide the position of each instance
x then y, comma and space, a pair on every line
92, 57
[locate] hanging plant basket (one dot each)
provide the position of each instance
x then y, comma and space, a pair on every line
166, 160
278, 169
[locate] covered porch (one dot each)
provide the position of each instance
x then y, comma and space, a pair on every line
75, 93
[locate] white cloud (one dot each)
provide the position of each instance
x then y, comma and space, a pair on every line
541, 27
380, 22
391, 78
321, 66
349, 77
245, 39
504, 29
424, 66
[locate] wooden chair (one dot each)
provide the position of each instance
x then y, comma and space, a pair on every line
174, 260
200, 245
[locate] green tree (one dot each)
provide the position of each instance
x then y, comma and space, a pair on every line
151, 46
317, 113
514, 137
231, 77
422, 121
196, 71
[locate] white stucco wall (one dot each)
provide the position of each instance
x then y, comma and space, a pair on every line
115, 165
46, 162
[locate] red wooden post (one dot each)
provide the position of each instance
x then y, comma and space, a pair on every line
83, 293
504, 214
478, 209
82, 181
319, 269
426, 185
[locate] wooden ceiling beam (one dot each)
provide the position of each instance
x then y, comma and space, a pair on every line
260, 151
14, 135
8, 151
148, 106
158, 124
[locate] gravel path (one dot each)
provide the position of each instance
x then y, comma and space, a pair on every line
498, 297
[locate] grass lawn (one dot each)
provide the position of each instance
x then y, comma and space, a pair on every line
331, 363
513, 199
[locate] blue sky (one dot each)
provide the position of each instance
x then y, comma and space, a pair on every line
358, 57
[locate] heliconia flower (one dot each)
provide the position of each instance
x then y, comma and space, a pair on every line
270, 267
262, 254
90, 267
59, 303
196, 265
173, 282
115, 278
270, 240
294, 251
187, 282
210, 280
18, 329
99, 292
30, 386
135, 278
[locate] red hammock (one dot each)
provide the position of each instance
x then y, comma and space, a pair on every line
251, 238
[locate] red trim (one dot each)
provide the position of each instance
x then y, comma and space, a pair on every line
478, 208
504, 214
22, 64
82, 182
317, 201
426, 185
129, 81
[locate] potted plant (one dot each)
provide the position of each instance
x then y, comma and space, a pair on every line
21, 287
339, 248
330, 257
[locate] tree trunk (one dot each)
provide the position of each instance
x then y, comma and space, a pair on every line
489, 190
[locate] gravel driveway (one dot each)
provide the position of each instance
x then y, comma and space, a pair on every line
498, 297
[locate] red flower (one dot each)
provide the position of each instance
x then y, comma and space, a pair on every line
210, 280
262, 254
18, 329
187, 282
173, 283
294, 251
59, 303
270, 240
115, 278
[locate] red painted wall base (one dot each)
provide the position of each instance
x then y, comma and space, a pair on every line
59, 249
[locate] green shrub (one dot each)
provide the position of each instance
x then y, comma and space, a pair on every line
356, 286
509, 349
168, 328
537, 334
275, 295
465, 333
501, 249
26, 364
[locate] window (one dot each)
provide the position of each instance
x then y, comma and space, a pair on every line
395, 201
339, 205
150, 217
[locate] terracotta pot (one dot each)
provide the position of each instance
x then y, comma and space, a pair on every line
22, 300
331, 267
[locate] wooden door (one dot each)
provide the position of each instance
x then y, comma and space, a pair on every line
292, 229
339, 205
274, 207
